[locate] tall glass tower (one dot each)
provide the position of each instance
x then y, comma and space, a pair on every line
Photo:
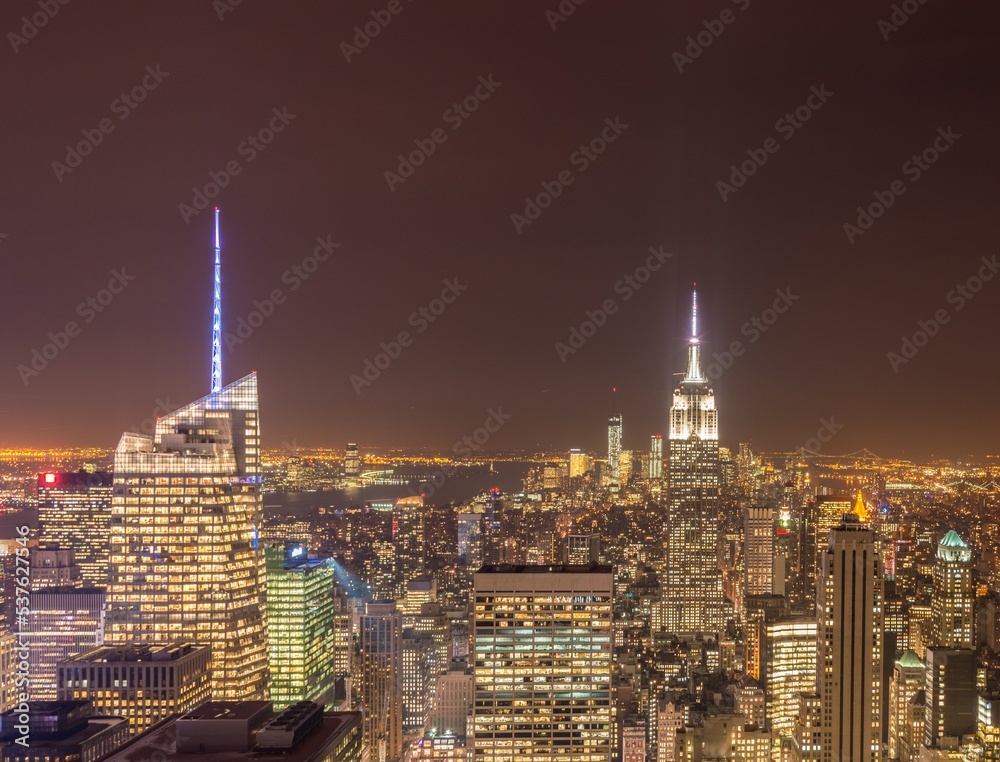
184, 560
691, 581
614, 448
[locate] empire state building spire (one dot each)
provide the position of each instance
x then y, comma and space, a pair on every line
694, 374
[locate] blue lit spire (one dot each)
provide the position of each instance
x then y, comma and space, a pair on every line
217, 313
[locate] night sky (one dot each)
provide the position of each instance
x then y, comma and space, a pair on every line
209, 84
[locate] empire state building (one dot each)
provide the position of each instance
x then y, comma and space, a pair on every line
692, 583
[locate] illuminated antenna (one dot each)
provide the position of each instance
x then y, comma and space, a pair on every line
694, 315
217, 313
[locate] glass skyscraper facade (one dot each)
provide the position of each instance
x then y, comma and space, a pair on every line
300, 626
184, 560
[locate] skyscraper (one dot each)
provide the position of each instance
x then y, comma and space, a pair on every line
788, 669
655, 456
952, 598
849, 645
542, 644
74, 510
300, 626
950, 693
408, 537
381, 674
758, 564
907, 681
614, 448
184, 559
352, 461
691, 580
63, 621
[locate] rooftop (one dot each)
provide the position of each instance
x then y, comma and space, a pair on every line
547, 569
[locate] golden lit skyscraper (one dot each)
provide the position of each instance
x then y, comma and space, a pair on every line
184, 561
408, 539
953, 596
542, 647
691, 581
849, 645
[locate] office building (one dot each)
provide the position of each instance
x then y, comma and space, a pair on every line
849, 644
579, 463
408, 538
74, 512
141, 683
789, 668
419, 661
184, 558
381, 678
583, 549
655, 470
300, 626
352, 461
63, 621
758, 561
953, 596
453, 701
614, 448
556, 704
54, 567
691, 580
906, 726
951, 697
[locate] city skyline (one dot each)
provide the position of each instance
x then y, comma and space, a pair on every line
558, 382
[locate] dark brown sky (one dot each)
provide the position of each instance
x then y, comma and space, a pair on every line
655, 185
